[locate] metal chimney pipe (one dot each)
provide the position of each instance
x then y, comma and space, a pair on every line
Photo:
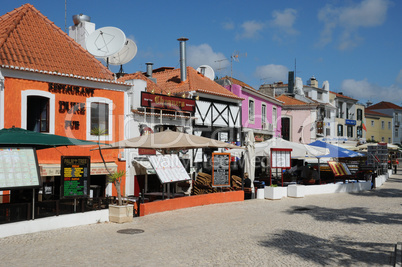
149, 69
183, 74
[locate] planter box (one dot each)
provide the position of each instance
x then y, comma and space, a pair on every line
275, 192
121, 214
296, 190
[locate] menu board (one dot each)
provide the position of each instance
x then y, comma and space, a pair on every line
280, 158
18, 168
220, 169
169, 168
75, 173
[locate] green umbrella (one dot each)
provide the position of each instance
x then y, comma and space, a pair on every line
21, 137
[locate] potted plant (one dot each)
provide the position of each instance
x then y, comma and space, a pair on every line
119, 213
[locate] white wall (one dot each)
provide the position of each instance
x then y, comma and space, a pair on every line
55, 222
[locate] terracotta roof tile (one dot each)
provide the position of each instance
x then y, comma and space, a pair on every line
372, 112
140, 76
238, 82
290, 101
384, 105
170, 81
342, 96
30, 41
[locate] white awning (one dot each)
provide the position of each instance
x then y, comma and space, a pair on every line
143, 166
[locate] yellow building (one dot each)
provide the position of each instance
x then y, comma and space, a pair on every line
379, 126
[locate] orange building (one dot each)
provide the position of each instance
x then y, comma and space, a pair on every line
50, 84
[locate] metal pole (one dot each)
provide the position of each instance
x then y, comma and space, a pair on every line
33, 204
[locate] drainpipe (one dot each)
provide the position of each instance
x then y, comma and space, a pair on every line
183, 74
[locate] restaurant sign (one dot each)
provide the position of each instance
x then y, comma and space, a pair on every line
75, 176
167, 102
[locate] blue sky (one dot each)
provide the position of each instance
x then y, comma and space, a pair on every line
354, 44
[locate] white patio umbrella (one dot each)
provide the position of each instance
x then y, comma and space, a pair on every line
249, 158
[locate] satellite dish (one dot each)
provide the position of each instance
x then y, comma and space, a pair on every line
207, 71
124, 55
105, 42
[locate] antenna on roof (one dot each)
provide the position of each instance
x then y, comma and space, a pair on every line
235, 56
65, 15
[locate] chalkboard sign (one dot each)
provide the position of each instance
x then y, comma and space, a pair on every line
19, 168
220, 169
75, 173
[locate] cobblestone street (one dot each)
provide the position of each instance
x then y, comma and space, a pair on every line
345, 229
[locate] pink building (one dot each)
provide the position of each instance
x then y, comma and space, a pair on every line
260, 113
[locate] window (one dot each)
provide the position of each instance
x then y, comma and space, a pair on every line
99, 116
372, 123
389, 139
382, 124
359, 114
38, 114
286, 128
340, 130
264, 115
396, 132
38, 111
359, 132
382, 139
251, 110
372, 138
319, 96
274, 117
389, 125
350, 131
327, 132
347, 113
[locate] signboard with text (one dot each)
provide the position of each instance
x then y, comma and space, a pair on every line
19, 168
167, 102
220, 169
75, 173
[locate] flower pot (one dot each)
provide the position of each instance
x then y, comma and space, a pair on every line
121, 214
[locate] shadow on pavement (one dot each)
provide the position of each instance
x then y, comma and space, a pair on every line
335, 252
354, 215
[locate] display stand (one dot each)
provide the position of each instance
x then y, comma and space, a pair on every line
280, 159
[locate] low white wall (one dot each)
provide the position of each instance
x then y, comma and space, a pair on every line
336, 188
381, 179
54, 222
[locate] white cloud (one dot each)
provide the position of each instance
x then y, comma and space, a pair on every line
272, 73
368, 13
399, 77
285, 20
250, 30
364, 90
228, 25
204, 55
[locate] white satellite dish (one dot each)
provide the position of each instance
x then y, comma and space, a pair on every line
105, 42
207, 71
124, 55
